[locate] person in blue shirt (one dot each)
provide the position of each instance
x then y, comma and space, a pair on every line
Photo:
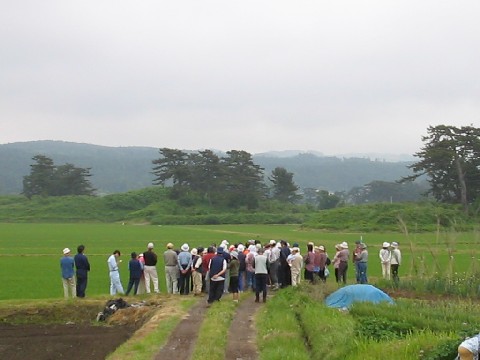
68, 279
83, 267
136, 270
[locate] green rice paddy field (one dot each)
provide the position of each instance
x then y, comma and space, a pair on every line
30, 253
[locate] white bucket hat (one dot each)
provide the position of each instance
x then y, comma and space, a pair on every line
385, 244
185, 247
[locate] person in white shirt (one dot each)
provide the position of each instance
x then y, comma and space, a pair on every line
115, 283
395, 261
385, 257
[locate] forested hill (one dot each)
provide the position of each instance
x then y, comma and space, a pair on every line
119, 169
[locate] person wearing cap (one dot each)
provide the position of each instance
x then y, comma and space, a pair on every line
320, 262
385, 258
67, 267
150, 269
82, 267
234, 267
295, 261
274, 261
135, 267
395, 261
218, 267
184, 266
141, 286
115, 283
362, 264
336, 262
197, 270
343, 256
170, 259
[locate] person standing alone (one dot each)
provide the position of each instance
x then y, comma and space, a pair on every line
67, 265
83, 267
150, 268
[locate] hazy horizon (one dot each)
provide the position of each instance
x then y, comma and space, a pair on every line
332, 77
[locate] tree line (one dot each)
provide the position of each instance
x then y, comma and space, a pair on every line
449, 160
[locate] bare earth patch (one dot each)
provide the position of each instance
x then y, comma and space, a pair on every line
48, 342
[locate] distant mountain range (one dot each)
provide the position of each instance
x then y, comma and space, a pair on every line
120, 169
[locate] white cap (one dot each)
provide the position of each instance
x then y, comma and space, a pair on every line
150, 246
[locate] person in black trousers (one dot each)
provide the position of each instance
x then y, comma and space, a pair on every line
82, 268
136, 269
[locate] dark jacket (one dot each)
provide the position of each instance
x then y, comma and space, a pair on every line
135, 269
216, 265
82, 265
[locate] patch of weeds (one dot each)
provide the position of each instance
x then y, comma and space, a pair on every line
447, 350
381, 329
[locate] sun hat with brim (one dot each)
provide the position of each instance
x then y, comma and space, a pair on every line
394, 244
321, 248
344, 245
385, 244
150, 246
185, 247
220, 250
66, 251
234, 254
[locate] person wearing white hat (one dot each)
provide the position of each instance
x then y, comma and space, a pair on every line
395, 261
385, 258
343, 257
184, 266
150, 269
68, 279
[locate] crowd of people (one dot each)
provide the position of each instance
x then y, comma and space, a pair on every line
229, 268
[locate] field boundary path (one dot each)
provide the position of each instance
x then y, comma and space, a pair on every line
241, 338
183, 338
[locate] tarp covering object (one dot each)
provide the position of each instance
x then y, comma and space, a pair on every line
346, 296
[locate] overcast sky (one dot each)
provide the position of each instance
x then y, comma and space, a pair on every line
332, 76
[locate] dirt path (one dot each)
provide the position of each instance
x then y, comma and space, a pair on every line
241, 344
182, 340
241, 341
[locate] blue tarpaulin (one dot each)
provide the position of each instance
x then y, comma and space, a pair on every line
344, 297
